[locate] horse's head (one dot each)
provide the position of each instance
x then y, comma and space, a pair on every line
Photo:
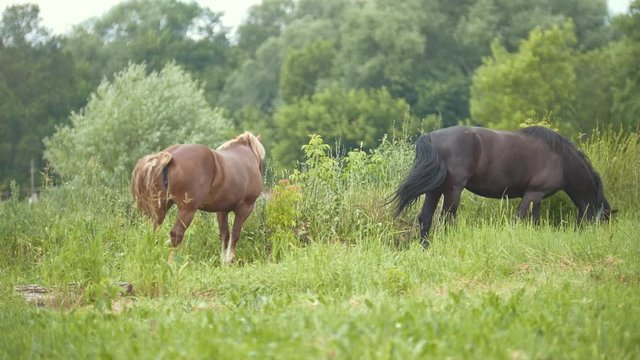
604, 210
605, 213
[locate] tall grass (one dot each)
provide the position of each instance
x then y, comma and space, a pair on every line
324, 271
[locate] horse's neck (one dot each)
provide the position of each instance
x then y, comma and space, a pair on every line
580, 184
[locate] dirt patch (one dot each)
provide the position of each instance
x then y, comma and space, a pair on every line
63, 297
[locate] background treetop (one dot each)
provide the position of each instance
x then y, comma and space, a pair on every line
311, 66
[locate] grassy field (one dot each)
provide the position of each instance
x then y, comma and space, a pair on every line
323, 271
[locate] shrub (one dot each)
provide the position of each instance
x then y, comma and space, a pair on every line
282, 218
133, 115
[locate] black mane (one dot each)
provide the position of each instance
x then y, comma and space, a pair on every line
557, 142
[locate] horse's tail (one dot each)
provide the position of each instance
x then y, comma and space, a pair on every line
428, 172
147, 188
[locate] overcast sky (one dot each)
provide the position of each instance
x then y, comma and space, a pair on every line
61, 15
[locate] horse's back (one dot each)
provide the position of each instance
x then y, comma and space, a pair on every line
189, 174
191, 162
213, 180
495, 163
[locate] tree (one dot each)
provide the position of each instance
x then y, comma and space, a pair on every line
38, 89
135, 114
596, 75
156, 32
381, 46
302, 69
256, 82
626, 91
537, 79
355, 118
264, 21
423, 51
591, 20
21, 27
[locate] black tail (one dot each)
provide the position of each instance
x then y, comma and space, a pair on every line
428, 172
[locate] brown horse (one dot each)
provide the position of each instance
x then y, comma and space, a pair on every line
531, 164
196, 177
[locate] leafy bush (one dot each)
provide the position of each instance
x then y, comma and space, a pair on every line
282, 218
540, 77
345, 195
356, 118
133, 115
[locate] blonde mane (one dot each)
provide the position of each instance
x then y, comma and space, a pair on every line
250, 140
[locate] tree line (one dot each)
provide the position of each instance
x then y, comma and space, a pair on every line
119, 85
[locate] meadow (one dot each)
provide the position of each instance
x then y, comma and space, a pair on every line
324, 271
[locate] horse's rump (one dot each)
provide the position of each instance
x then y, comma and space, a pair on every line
147, 187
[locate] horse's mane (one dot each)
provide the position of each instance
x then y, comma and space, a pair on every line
556, 142
564, 147
250, 140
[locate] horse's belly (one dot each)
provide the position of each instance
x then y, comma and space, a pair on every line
495, 192
227, 200
220, 205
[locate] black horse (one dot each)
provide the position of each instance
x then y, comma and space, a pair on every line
532, 163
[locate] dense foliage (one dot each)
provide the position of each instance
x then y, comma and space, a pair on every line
134, 115
39, 87
539, 77
487, 62
355, 117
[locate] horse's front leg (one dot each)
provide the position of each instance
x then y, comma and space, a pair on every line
527, 199
586, 212
535, 212
223, 225
426, 216
242, 213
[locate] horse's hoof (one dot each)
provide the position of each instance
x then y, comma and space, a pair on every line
425, 244
227, 259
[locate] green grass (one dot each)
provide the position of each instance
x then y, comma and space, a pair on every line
336, 278
480, 291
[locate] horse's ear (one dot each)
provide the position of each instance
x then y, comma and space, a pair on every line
609, 214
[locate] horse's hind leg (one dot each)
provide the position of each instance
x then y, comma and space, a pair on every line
183, 220
223, 225
161, 213
451, 202
242, 213
426, 215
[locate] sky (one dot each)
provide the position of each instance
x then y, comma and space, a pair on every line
61, 15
